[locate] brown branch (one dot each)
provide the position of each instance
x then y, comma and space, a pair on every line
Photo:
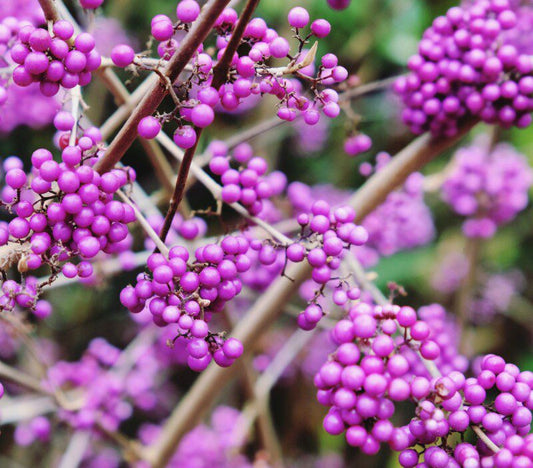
131, 449
463, 304
254, 131
163, 170
50, 11
188, 47
220, 72
367, 88
219, 77
411, 159
265, 427
22, 379
125, 110
270, 304
179, 188
264, 422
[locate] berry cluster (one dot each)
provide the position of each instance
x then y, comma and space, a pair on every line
403, 221
382, 359
27, 10
368, 373
9, 28
177, 291
24, 296
463, 69
60, 211
108, 387
326, 234
458, 403
444, 331
250, 73
54, 60
19, 106
357, 144
267, 262
489, 187
247, 184
102, 403
73, 209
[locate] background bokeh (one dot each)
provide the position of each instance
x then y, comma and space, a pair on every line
373, 39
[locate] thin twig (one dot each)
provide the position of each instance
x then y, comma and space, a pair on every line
75, 451
254, 131
22, 379
107, 267
145, 225
264, 384
179, 188
216, 190
472, 252
274, 122
265, 426
75, 94
358, 91
163, 170
221, 69
489, 443
25, 408
131, 449
122, 113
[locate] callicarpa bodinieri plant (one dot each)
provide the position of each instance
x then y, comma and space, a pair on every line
240, 234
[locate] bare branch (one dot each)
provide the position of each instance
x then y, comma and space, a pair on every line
50, 10
489, 443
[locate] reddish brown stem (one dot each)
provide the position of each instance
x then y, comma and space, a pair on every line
179, 188
188, 47
220, 73
49, 10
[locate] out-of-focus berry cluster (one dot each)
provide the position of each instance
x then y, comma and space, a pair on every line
465, 69
489, 187
54, 60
